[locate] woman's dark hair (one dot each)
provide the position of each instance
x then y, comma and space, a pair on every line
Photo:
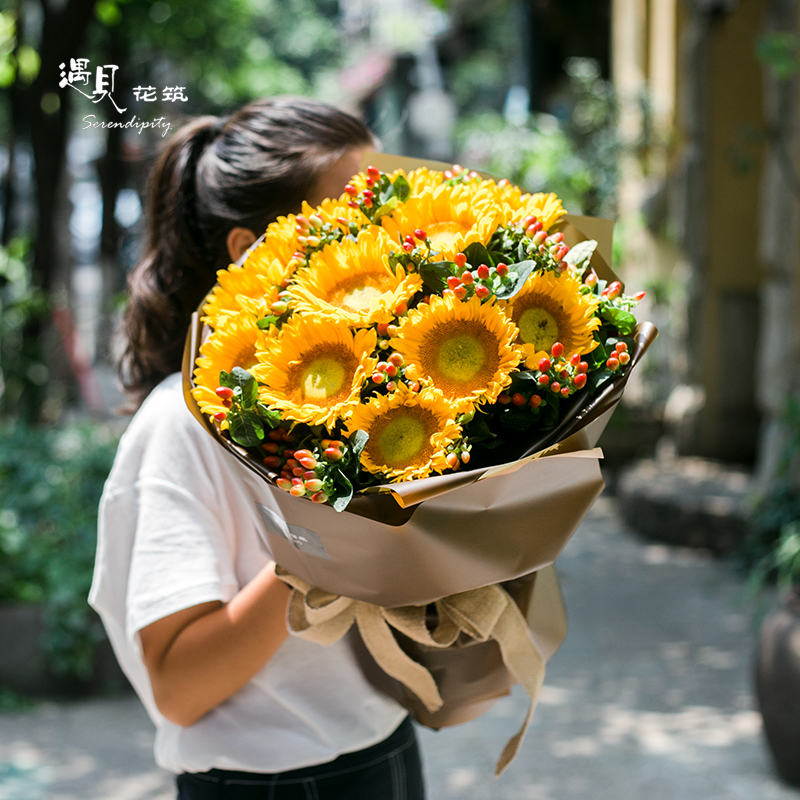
214, 175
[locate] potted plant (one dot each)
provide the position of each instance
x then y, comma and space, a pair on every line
778, 656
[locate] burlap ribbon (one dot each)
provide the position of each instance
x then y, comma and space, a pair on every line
484, 613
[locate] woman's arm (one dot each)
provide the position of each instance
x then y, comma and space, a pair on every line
200, 656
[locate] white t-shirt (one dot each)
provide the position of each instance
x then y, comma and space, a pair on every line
177, 527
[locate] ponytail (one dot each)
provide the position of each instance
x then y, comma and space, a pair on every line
216, 174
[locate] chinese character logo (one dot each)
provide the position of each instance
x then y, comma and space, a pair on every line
79, 73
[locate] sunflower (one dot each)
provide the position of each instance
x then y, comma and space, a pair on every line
549, 309
464, 349
313, 372
236, 284
352, 280
546, 208
277, 249
233, 345
408, 433
452, 216
418, 179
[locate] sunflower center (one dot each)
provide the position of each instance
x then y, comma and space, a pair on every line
443, 235
245, 358
460, 356
356, 293
322, 374
542, 324
401, 437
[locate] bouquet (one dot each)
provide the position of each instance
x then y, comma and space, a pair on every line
419, 325
431, 356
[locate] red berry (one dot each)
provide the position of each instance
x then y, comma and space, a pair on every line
565, 391
272, 462
555, 238
575, 360
483, 272
309, 475
452, 460
466, 278
624, 358
543, 379
555, 386
536, 401
383, 366
460, 292
396, 359
333, 454
420, 234
502, 270
378, 377
284, 483
298, 472
504, 398
620, 347
309, 463
557, 349
453, 282
465, 456
298, 490
583, 367
219, 416
391, 370
580, 380
408, 247
224, 392
313, 485
590, 279
292, 463
414, 386
399, 310
373, 172
227, 403
612, 363
639, 295
319, 497
460, 259
351, 190
297, 481
352, 203
298, 454
391, 386
528, 221
482, 291
544, 364
368, 194
383, 329
270, 447
518, 399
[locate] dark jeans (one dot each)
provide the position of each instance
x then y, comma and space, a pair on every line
389, 770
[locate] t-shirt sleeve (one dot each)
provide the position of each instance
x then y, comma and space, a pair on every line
180, 555
183, 549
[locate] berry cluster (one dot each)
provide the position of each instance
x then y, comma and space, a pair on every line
555, 375
306, 472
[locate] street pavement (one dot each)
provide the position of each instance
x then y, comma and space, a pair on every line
649, 698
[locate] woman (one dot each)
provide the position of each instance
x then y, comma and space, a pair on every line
190, 602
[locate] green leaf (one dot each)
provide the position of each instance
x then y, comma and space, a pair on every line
477, 254
623, 320
225, 379
402, 189
581, 254
435, 274
246, 428
523, 270
387, 208
358, 441
269, 415
265, 322
524, 375
343, 491
247, 385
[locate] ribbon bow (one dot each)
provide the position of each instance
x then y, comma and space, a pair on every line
484, 613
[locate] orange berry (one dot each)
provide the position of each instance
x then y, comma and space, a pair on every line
518, 399
557, 349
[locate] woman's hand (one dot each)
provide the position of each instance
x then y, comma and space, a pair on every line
200, 656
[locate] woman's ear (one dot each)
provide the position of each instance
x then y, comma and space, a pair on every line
239, 239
